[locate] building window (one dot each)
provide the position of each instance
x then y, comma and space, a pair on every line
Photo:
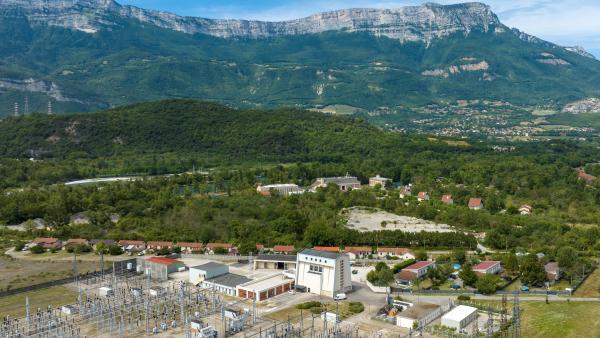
315, 269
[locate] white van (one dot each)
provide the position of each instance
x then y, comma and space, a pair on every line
340, 296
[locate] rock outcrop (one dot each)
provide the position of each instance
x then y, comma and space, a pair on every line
414, 23
591, 105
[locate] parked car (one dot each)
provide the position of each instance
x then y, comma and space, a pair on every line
292, 292
340, 296
354, 272
525, 288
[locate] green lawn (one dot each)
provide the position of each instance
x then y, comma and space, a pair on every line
560, 319
14, 306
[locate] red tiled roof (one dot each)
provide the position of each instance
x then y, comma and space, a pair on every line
284, 248
130, 242
585, 176
422, 194
474, 202
77, 241
160, 243
446, 199
406, 275
259, 246
418, 265
47, 240
194, 245
400, 251
358, 249
219, 245
164, 260
485, 265
327, 248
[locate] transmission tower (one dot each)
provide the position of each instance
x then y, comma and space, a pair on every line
490, 324
49, 107
503, 319
516, 317
16, 109
26, 112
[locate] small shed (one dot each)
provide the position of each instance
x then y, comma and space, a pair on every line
460, 317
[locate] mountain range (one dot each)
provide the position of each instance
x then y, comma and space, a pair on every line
84, 55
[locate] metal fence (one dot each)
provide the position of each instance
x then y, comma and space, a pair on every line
476, 292
63, 281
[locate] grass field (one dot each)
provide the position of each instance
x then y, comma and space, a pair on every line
561, 319
15, 273
290, 312
591, 286
14, 306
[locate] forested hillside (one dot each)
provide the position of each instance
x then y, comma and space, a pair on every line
135, 62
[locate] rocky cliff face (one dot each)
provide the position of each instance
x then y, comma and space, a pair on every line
418, 23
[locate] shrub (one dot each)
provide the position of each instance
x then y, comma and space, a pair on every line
19, 246
356, 307
37, 249
317, 310
402, 265
464, 297
308, 305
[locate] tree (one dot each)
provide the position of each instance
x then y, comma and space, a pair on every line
567, 258
487, 284
115, 250
511, 263
220, 251
381, 276
459, 255
101, 247
468, 275
421, 255
532, 271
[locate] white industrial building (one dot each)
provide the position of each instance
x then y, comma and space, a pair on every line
323, 273
460, 317
421, 314
283, 189
198, 274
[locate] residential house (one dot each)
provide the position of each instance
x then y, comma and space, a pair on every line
582, 175
159, 245
414, 271
488, 268
406, 191
402, 253
48, 243
190, 247
423, 196
211, 247
74, 242
552, 272
260, 247
525, 209
345, 183
284, 249
379, 181
358, 252
132, 246
475, 204
327, 248
79, 218
447, 199
281, 189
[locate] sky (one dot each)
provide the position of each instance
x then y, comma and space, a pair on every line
565, 22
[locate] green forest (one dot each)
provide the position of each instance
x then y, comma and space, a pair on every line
233, 150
